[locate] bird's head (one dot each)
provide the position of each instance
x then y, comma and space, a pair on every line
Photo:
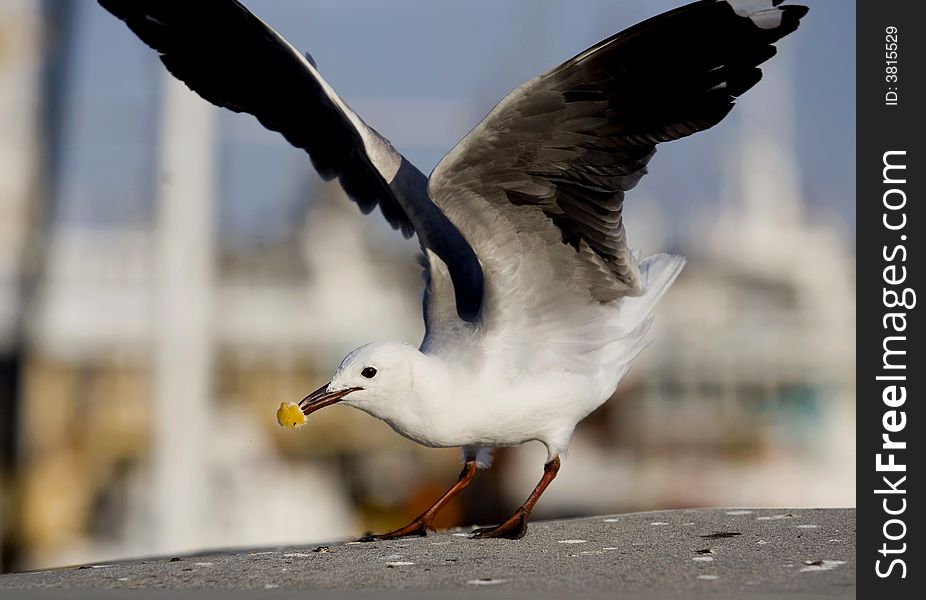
370, 378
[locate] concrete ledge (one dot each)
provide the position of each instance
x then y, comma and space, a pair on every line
716, 553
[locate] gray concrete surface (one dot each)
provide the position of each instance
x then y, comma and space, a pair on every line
717, 553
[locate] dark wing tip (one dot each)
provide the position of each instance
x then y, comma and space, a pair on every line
791, 18
796, 10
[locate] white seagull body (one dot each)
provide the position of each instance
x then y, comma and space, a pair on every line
520, 381
534, 304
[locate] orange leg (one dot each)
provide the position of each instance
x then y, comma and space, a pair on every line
515, 526
421, 524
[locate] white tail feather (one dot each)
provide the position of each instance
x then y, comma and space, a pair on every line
658, 273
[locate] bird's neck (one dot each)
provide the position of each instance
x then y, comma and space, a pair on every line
420, 414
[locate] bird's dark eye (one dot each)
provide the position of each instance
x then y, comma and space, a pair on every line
368, 372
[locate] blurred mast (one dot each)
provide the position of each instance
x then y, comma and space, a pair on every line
183, 340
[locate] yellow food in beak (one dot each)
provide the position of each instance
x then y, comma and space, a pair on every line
290, 415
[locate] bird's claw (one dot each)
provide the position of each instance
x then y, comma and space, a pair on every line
512, 529
414, 528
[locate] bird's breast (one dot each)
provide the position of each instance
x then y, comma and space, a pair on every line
501, 414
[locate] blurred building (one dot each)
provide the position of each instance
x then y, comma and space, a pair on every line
160, 341
20, 178
20, 58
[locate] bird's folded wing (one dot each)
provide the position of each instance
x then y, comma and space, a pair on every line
570, 143
234, 60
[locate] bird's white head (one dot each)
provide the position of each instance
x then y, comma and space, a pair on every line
377, 378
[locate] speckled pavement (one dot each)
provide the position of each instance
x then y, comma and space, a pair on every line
716, 553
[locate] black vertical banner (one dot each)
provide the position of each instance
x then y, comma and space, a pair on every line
891, 63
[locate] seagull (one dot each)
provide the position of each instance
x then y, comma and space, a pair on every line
534, 303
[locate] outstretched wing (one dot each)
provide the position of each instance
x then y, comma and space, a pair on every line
234, 60
553, 160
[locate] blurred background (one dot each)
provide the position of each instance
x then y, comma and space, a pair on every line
170, 272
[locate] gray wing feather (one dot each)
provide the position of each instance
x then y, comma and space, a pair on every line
570, 143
